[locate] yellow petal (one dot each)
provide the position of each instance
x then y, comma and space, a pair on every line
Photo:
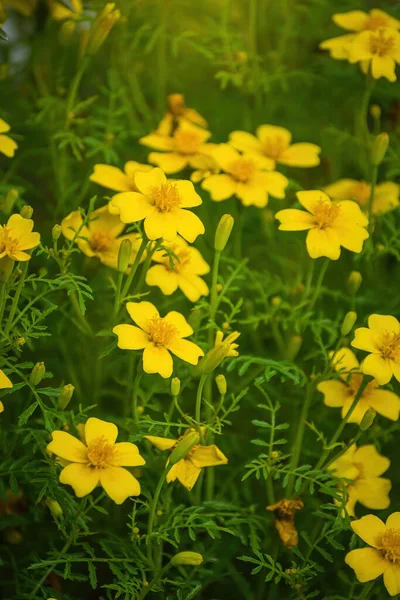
292, 219
71, 224
352, 238
7, 146
383, 66
60, 12
179, 321
373, 492
274, 135
385, 403
132, 206
119, 484
157, 359
4, 126
345, 361
127, 455
186, 350
374, 464
358, 412
365, 339
4, 381
338, 47
301, 155
386, 197
160, 276
310, 198
335, 392
82, 478
354, 20
67, 446
160, 442
161, 225
370, 529
393, 521
1, 407
19, 226
158, 142
141, 313
382, 323
170, 162
391, 579
252, 195
189, 226
96, 428
185, 472
192, 286
225, 155
131, 337
208, 456
378, 367
187, 193
323, 242
367, 563
342, 189
111, 178
145, 182
101, 220
29, 241
382, 19
360, 48
221, 187
245, 142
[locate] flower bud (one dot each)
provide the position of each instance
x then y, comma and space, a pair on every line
375, 112
56, 232
223, 232
293, 347
175, 386
13, 536
193, 559
54, 507
9, 201
367, 419
124, 255
379, 148
353, 282
176, 104
348, 323
212, 359
26, 211
276, 300
65, 396
102, 27
37, 373
221, 384
182, 449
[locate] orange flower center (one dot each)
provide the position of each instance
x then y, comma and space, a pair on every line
381, 43
187, 142
165, 197
273, 147
389, 345
242, 169
7, 243
390, 545
100, 452
161, 332
100, 241
361, 193
325, 213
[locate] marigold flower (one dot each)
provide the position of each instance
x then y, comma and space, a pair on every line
382, 340
7, 145
363, 466
274, 144
381, 47
181, 270
244, 176
386, 194
383, 557
162, 203
284, 512
341, 392
178, 112
179, 150
187, 470
17, 236
101, 236
98, 461
157, 336
4, 383
331, 224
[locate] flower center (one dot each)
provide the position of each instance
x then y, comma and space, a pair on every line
360, 192
325, 213
375, 22
100, 452
165, 197
381, 43
242, 169
389, 345
390, 545
187, 142
8, 243
100, 241
161, 332
273, 147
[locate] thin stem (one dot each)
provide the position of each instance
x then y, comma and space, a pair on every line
117, 299
152, 512
135, 395
18, 291
134, 267
154, 581
364, 594
162, 58
320, 280
73, 93
199, 397
374, 177
3, 298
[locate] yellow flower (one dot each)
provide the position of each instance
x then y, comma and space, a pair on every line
98, 461
381, 47
384, 555
386, 194
105, 21
245, 176
115, 179
330, 224
25, 7
178, 112
382, 340
17, 236
187, 470
230, 339
181, 272
100, 236
363, 466
356, 20
60, 12
4, 383
204, 165
161, 203
180, 149
274, 144
158, 336
341, 393
7, 145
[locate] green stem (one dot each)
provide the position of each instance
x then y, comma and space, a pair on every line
154, 581
14, 304
318, 285
73, 92
162, 58
79, 314
366, 591
199, 397
134, 267
374, 177
117, 300
3, 298
135, 395
152, 513
347, 447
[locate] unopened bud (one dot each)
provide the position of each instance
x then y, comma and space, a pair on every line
379, 148
293, 347
182, 449
135, 530
176, 104
193, 559
221, 384
26, 211
212, 359
276, 300
37, 373
223, 232
102, 26
65, 397
375, 111
353, 282
54, 507
175, 386
348, 323
367, 419
124, 255
13, 536
56, 232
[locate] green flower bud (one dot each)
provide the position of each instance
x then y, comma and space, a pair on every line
102, 26
367, 419
193, 559
293, 347
182, 449
221, 384
124, 255
56, 232
54, 507
223, 232
65, 396
379, 148
353, 282
26, 211
175, 386
212, 359
375, 112
37, 373
348, 323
